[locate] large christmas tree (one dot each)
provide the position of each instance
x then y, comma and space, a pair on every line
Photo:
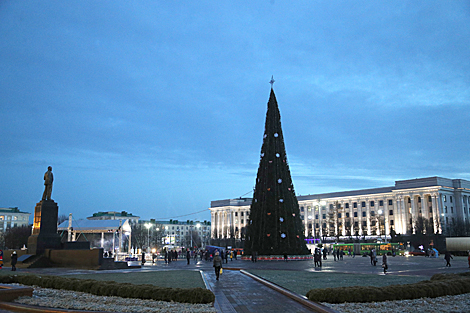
275, 227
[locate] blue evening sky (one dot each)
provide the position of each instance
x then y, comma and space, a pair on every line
158, 107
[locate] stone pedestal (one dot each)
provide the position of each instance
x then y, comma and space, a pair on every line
45, 234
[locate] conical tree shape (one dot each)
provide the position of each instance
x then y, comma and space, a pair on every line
275, 227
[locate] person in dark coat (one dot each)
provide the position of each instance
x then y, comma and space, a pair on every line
385, 263
217, 263
14, 260
188, 255
447, 257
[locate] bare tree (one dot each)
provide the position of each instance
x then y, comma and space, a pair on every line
62, 218
17, 237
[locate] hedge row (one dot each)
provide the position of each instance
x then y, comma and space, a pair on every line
439, 285
111, 288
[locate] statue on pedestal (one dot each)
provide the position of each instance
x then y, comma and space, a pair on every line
48, 179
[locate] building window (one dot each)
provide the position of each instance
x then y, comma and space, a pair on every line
241, 213
429, 199
430, 209
372, 203
450, 199
347, 214
391, 223
419, 199
355, 205
452, 209
363, 204
390, 202
324, 216
236, 213
390, 212
346, 205
301, 209
364, 223
339, 215
363, 214
445, 209
309, 208
409, 200
331, 206
316, 216
309, 225
356, 224
372, 213
381, 203
355, 214
444, 198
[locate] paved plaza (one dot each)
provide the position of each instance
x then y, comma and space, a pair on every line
236, 292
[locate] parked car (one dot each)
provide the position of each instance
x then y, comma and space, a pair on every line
417, 252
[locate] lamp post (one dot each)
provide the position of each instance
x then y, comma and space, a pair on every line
148, 225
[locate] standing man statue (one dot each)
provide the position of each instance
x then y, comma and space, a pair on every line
48, 179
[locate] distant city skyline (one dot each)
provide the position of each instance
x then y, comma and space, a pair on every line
158, 109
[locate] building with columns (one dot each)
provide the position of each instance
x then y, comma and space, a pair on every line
440, 202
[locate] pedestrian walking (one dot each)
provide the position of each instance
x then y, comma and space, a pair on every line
447, 257
14, 260
188, 255
226, 256
217, 263
385, 263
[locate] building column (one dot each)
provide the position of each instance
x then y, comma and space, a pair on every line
425, 206
343, 219
212, 224
413, 214
435, 213
402, 214
368, 217
102, 239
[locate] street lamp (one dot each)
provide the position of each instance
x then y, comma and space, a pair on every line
148, 225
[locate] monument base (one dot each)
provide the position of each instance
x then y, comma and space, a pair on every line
44, 228
37, 244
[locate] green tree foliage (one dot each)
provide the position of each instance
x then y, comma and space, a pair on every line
274, 225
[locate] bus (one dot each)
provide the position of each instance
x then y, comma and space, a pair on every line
365, 248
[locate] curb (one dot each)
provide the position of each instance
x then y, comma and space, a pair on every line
16, 307
316, 307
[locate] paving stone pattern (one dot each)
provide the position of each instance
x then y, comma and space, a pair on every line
236, 292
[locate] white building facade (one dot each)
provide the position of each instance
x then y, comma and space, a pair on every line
12, 217
178, 233
440, 201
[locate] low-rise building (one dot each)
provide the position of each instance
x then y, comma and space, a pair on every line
112, 215
12, 217
183, 233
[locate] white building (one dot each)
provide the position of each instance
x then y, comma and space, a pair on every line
368, 212
12, 217
178, 233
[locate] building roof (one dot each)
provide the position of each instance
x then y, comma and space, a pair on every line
114, 214
87, 225
12, 210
